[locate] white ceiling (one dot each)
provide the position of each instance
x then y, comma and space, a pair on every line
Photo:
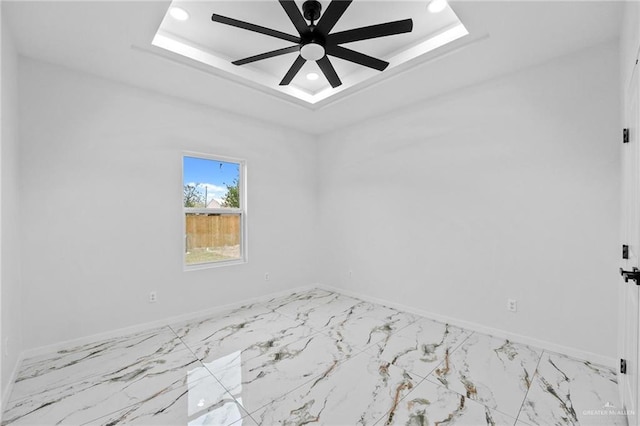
113, 39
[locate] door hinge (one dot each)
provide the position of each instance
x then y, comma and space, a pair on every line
623, 366
625, 251
625, 135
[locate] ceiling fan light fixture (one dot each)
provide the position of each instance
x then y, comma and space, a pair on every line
436, 6
312, 76
312, 52
179, 13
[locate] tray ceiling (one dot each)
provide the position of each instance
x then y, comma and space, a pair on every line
112, 40
217, 45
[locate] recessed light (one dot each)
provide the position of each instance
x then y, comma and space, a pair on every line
312, 76
179, 13
436, 6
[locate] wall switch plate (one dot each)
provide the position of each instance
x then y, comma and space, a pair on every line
512, 305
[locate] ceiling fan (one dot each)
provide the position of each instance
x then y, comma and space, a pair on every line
315, 42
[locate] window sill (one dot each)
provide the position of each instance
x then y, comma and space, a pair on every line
210, 265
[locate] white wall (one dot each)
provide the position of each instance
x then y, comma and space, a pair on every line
10, 287
506, 189
101, 198
509, 189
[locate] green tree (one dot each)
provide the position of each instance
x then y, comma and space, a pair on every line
193, 197
232, 197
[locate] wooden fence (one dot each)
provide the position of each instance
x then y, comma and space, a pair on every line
212, 231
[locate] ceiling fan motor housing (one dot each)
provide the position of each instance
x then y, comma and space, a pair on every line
311, 10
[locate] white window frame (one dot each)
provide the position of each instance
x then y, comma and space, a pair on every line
241, 211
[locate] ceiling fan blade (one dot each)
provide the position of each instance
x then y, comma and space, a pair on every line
295, 15
267, 55
372, 31
357, 57
255, 28
297, 64
329, 72
331, 16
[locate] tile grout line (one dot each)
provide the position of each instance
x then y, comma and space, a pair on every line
386, 414
131, 405
248, 414
429, 378
201, 363
423, 378
458, 346
533, 376
212, 375
444, 360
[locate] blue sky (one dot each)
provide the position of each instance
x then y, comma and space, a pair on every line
212, 174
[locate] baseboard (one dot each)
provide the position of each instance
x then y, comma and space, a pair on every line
496, 332
42, 350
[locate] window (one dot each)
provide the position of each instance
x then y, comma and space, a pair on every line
214, 215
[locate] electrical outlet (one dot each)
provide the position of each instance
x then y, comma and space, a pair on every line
512, 305
153, 297
350, 274
266, 276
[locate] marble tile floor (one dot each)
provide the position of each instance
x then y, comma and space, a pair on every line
313, 357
